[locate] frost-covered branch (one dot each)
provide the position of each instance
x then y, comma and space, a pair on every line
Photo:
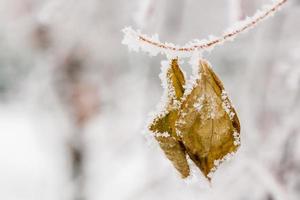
136, 40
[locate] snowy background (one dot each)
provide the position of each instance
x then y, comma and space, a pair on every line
74, 101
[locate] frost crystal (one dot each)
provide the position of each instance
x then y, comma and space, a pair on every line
237, 139
164, 134
199, 103
169, 93
217, 163
196, 76
226, 104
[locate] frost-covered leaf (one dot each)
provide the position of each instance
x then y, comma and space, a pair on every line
207, 122
198, 122
163, 126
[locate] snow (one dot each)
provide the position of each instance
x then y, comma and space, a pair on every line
217, 163
195, 76
237, 140
226, 104
168, 91
164, 134
164, 105
199, 103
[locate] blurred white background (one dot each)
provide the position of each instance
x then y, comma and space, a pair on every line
74, 101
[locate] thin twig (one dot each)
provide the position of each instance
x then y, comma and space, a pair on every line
202, 44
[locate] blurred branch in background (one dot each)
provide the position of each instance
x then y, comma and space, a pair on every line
81, 99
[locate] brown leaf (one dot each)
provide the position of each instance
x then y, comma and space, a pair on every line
207, 122
163, 126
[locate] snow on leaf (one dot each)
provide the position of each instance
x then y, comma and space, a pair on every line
212, 135
163, 125
197, 121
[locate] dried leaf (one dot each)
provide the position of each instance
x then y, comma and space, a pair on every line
164, 125
207, 122
200, 122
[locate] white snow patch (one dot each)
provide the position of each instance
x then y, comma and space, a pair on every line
164, 134
195, 77
198, 105
226, 104
237, 139
168, 95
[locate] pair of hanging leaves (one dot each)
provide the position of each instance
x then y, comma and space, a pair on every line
199, 123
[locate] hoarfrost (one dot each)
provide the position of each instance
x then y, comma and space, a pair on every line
164, 134
237, 139
192, 81
195, 176
168, 95
226, 104
217, 163
199, 103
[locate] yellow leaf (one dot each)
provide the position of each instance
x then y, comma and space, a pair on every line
207, 122
163, 126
